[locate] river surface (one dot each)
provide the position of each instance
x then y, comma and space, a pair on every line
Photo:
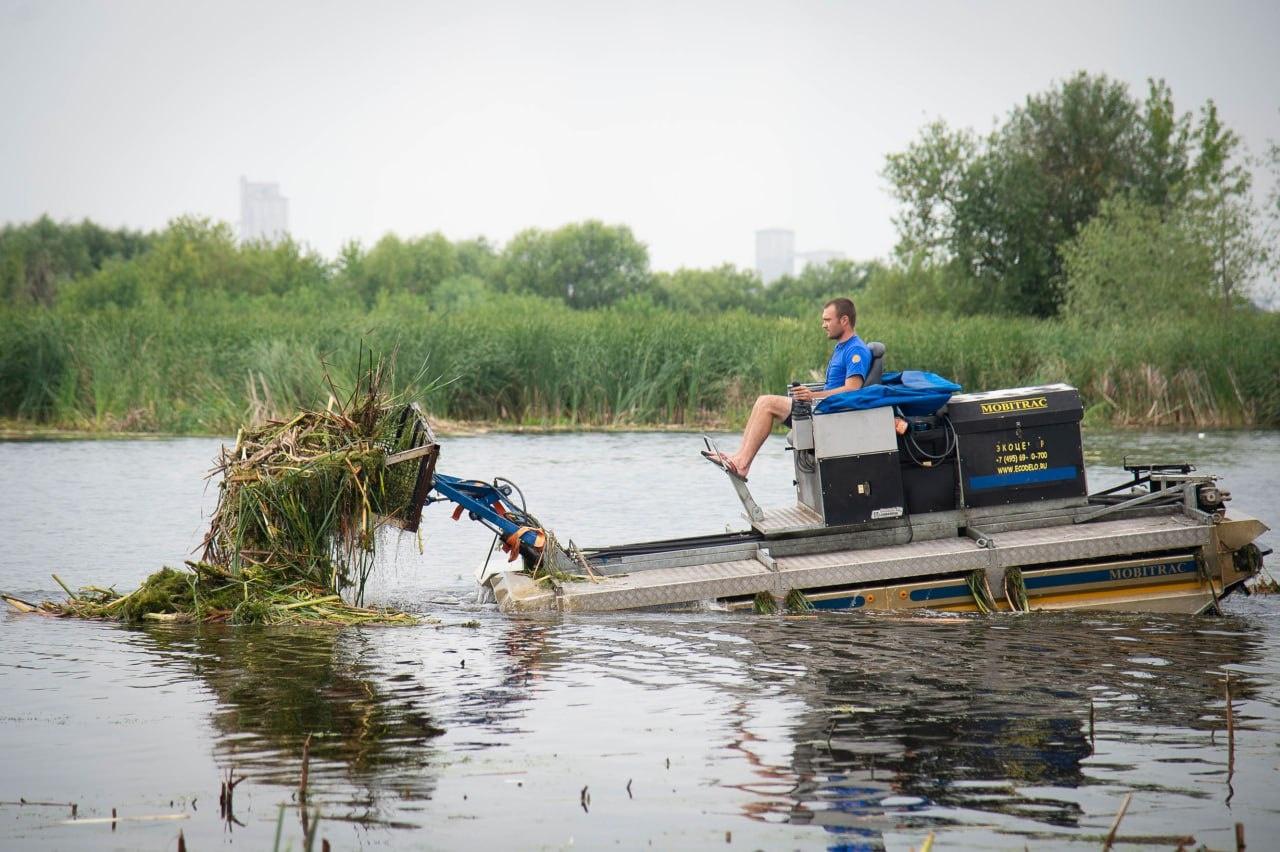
634, 731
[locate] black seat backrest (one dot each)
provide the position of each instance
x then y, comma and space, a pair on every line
877, 364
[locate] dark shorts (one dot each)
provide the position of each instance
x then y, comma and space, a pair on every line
787, 422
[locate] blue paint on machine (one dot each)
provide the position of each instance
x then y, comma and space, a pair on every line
1104, 575
841, 603
1076, 578
1024, 477
940, 593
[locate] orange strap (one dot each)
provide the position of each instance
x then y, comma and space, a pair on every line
512, 543
457, 513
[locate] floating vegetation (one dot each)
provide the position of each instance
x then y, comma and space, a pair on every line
796, 602
209, 593
294, 536
1265, 584
765, 603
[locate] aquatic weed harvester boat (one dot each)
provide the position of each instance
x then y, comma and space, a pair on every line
981, 505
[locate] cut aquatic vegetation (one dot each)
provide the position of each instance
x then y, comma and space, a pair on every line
295, 532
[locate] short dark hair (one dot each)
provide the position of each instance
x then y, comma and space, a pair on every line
844, 308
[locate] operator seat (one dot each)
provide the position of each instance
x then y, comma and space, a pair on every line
876, 370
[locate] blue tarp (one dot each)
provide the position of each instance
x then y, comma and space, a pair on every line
916, 393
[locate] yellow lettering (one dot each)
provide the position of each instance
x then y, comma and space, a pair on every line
1013, 405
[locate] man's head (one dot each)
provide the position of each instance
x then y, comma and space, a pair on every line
838, 318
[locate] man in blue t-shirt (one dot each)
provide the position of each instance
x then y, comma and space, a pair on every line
846, 371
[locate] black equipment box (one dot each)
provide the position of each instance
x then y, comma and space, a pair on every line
1019, 445
857, 489
930, 489
928, 455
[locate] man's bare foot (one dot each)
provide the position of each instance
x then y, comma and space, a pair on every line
727, 463
736, 467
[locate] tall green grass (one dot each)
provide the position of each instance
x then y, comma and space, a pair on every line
209, 369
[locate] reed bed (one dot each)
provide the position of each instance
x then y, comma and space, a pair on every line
524, 362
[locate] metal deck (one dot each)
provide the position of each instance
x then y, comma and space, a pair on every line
788, 519
798, 519
751, 569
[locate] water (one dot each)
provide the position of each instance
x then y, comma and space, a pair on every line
840, 731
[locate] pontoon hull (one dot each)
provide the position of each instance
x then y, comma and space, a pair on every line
1157, 561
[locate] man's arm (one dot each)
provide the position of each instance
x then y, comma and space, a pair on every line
850, 384
803, 394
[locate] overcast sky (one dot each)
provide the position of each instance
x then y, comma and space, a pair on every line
696, 123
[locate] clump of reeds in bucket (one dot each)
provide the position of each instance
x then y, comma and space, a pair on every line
303, 498
300, 502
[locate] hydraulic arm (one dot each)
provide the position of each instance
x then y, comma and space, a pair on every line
491, 505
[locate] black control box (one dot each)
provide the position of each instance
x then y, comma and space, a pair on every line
1019, 445
857, 489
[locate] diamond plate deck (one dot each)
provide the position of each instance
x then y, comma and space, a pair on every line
789, 519
661, 587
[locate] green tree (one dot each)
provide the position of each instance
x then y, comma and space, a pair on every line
926, 179
196, 261
476, 258
1002, 207
462, 291
192, 257
1270, 295
1134, 261
1222, 210
722, 288
915, 287
38, 258
586, 264
1042, 176
1164, 156
416, 266
803, 295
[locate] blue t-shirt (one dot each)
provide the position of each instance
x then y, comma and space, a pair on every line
851, 358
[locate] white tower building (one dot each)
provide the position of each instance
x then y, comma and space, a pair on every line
775, 253
264, 212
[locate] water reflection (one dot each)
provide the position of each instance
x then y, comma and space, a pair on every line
372, 731
864, 724
914, 720
861, 726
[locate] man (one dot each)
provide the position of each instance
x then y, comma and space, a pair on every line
846, 371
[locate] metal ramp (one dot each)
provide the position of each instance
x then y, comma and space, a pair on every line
654, 586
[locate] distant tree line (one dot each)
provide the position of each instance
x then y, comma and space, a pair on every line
584, 265
1085, 202
36, 259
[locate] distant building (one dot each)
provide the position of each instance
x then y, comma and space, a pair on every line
818, 258
775, 253
264, 212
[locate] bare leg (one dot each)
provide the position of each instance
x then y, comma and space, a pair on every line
766, 411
